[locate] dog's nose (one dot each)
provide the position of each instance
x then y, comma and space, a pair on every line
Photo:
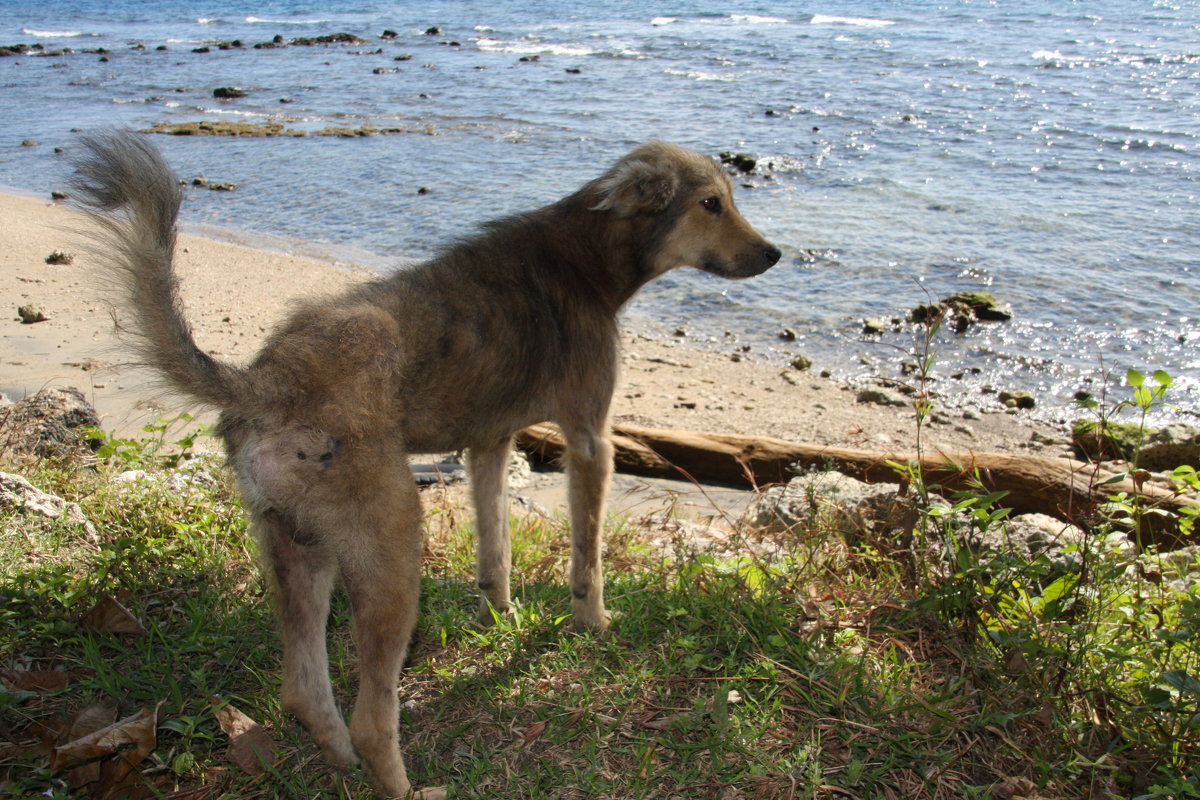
772, 255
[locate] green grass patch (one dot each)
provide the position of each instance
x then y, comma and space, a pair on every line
807, 669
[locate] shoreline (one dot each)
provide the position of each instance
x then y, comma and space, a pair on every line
234, 294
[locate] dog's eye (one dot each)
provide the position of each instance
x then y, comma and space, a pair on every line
712, 204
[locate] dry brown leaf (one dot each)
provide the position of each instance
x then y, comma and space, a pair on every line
104, 762
40, 681
250, 746
533, 733
109, 616
137, 730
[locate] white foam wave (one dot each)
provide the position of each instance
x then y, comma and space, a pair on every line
288, 21
209, 21
544, 48
660, 21
754, 19
52, 34
697, 75
858, 22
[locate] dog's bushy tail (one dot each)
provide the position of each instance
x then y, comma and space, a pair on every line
133, 197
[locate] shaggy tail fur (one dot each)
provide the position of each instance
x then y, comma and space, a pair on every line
127, 189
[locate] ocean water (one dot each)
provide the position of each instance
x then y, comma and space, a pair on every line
1048, 152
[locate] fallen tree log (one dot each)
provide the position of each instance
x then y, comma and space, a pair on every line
1061, 487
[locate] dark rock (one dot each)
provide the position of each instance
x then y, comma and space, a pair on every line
433, 31
228, 92
404, 57
873, 327
389, 34
573, 71
802, 363
332, 38
983, 305
739, 161
1157, 450
1017, 399
788, 335
423, 190
16, 49
926, 313
201, 50
529, 59
882, 396
32, 313
52, 422
29, 143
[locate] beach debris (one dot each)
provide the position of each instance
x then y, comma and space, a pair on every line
59, 257
32, 313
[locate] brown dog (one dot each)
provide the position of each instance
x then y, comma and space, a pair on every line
514, 326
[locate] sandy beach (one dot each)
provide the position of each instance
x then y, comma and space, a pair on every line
235, 294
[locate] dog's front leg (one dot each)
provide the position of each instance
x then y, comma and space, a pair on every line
589, 468
493, 557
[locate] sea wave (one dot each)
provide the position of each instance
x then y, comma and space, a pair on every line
858, 22
698, 75
288, 21
754, 19
546, 48
53, 34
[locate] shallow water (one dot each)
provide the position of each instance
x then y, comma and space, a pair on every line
1045, 152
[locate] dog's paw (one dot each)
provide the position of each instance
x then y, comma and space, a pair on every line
430, 793
592, 621
489, 615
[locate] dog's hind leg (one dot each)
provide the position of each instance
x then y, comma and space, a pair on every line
303, 570
493, 558
589, 468
379, 552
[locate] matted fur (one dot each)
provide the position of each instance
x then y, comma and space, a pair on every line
513, 326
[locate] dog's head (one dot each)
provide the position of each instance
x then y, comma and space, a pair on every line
686, 202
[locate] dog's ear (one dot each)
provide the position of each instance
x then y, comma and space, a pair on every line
635, 186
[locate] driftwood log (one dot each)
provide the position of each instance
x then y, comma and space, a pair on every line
1061, 487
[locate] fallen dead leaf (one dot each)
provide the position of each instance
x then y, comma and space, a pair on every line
40, 681
104, 762
251, 747
109, 616
533, 733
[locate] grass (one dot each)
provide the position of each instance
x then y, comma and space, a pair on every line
786, 665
